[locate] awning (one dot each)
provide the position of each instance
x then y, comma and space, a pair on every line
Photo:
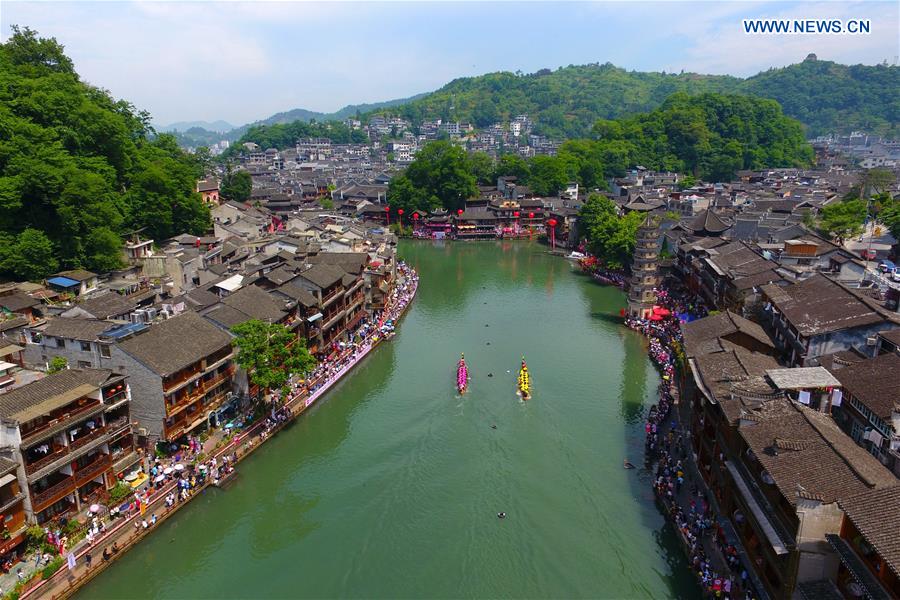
8, 478
315, 317
6, 365
758, 514
872, 587
231, 284
63, 282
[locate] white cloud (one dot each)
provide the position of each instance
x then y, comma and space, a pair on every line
242, 61
722, 47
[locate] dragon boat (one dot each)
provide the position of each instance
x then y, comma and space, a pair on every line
524, 382
462, 375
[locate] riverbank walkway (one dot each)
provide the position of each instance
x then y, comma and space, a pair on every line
124, 533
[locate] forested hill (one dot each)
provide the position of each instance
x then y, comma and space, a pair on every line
823, 95
78, 170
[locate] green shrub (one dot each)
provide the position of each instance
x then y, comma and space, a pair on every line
120, 492
35, 537
52, 567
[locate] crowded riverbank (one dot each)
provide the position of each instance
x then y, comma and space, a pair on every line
173, 482
683, 496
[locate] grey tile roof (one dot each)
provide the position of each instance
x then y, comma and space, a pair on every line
107, 305
176, 343
76, 329
15, 403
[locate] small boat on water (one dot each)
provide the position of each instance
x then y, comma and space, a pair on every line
462, 375
524, 381
575, 255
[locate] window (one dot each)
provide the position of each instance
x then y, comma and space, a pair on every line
105, 351
85, 346
84, 364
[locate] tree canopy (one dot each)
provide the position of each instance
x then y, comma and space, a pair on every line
442, 175
842, 220
271, 353
79, 169
610, 237
565, 103
237, 186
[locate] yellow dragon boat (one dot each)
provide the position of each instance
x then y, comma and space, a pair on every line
524, 381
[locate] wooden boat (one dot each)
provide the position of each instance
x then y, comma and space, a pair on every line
462, 375
524, 381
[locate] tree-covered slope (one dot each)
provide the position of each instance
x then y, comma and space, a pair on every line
823, 95
828, 97
78, 169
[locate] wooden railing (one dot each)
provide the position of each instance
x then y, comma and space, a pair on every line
27, 437
86, 439
93, 469
40, 464
58, 489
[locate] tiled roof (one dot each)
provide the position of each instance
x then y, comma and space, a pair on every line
256, 303
323, 276
107, 305
76, 329
696, 333
76, 274
16, 403
807, 455
176, 343
876, 514
874, 382
818, 305
17, 301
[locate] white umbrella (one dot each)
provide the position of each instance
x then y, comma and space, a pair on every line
202, 467
160, 478
95, 508
168, 470
179, 467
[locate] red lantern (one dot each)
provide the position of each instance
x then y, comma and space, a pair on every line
516, 214
552, 224
531, 215
459, 211
415, 216
387, 211
400, 211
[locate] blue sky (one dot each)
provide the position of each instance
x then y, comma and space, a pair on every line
245, 61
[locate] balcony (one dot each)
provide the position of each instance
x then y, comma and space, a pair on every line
84, 440
118, 426
86, 473
58, 424
43, 498
40, 464
174, 382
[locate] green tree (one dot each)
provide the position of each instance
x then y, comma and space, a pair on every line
482, 167
511, 165
876, 181
237, 186
548, 175
78, 168
610, 237
441, 172
28, 256
57, 364
890, 216
271, 353
842, 220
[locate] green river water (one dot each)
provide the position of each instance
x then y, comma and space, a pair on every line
390, 487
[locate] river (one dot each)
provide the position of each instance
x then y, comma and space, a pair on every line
390, 487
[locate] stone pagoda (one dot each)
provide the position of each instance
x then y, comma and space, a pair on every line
644, 270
